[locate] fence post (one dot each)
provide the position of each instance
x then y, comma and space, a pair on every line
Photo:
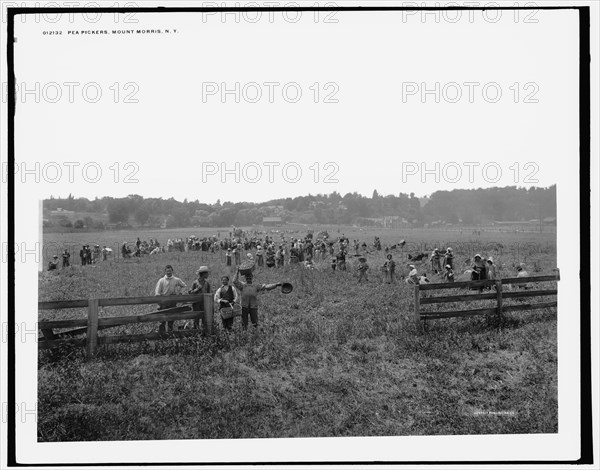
417, 313
499, 297
92, 328
208, 315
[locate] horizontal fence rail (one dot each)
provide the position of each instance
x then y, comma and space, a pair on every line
92, 324
499, 296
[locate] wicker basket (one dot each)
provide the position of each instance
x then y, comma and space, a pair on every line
230, 312
247, 267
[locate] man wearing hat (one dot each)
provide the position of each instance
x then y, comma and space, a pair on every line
200, 286
52, 265
250, 297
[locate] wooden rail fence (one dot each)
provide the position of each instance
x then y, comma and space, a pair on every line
499, 295
92, 324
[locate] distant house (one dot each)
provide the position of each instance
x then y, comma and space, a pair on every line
272, 221
61, 213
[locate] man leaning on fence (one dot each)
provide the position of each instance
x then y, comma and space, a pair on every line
168, 285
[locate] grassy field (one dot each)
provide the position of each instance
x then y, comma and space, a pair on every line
333, 358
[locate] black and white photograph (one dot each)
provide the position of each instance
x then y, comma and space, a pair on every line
306, 233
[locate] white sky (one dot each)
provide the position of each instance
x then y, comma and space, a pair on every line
373, 139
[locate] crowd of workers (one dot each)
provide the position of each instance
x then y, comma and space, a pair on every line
266, 250
308, 252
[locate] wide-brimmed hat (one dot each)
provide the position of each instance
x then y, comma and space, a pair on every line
477, 256
411, 266
202, 269
286, 288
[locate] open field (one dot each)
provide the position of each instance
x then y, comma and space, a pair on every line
332, 358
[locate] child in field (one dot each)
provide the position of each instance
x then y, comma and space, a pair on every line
449, 274
436, 259
390, 268
259, 256
168, 285
226, 296
65, 259
200, 286
491, 268
449, 258
522, 273
280, 256
228, 257
362, 269
249, 293
341, 260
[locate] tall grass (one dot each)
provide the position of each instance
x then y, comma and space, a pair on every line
333, 358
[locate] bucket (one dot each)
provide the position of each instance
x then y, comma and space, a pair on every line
230, 312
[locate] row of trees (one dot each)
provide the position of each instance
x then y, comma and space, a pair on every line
457, 206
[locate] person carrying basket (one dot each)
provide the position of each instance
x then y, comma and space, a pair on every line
226, 298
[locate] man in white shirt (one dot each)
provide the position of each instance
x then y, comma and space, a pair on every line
168, 285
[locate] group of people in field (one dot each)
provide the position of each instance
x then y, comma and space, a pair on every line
310, 252
227, 295
237, 246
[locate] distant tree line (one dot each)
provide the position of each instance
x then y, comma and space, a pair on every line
459, 206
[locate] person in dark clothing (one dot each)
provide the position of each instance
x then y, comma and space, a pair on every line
250, 297
52, 265
200, 286
225, 297
65, 259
